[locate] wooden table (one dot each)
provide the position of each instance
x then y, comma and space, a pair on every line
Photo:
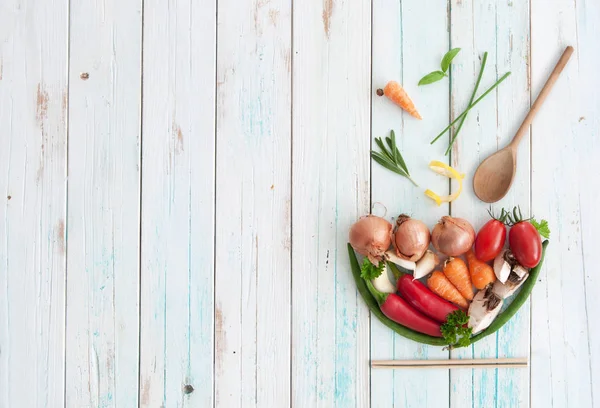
178, 179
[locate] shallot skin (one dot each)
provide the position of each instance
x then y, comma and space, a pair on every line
453, 236
411, 238
371, 236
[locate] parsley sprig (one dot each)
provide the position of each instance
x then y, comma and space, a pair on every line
454, 330
369, 271
542, 227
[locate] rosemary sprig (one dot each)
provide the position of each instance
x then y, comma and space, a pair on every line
390, 156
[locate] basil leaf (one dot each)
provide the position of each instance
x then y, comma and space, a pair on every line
431, 78
448, 58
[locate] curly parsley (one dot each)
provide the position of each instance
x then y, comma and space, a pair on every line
369, 271
454, 330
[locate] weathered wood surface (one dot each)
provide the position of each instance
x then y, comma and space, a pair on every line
103, 218
33, 170
174, 223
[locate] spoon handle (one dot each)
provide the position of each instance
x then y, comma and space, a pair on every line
560, 65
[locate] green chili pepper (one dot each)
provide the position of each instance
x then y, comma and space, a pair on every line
517, 302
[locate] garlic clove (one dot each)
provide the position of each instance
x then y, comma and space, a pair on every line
426, 264
501, 267
382, 283
483, 310
392, 257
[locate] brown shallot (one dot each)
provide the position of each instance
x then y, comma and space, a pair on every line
371, 236
453, 236
411, 238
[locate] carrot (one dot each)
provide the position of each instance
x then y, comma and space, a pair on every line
394, 91
481, 273
457, 273
441, 286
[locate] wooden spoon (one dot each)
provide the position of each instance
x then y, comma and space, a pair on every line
495, 175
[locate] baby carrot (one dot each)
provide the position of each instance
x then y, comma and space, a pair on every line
394, 91
457, 273
441, 286
481, 273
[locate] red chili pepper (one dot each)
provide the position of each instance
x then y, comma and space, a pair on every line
422, 298
398, 310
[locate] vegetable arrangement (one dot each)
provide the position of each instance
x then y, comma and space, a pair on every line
460, 302
447, 286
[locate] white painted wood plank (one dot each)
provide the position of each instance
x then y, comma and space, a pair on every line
565, 149
586, 133
502, 29
253, 204
404, 50
103, 204
331, 120
33, 142
178, 204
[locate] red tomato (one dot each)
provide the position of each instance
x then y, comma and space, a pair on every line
526, 244
490, 240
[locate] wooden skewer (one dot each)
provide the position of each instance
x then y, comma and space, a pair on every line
465, 363
446, 366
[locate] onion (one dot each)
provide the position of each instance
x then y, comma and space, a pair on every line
371, 236
453, 236
411, 238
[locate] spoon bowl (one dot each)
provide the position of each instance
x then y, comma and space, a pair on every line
495, 175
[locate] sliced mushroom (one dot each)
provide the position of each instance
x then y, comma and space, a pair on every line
483, 309
514, 282
505, 264
502, 266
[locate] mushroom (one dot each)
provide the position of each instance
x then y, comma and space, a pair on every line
483, 309
505, 263
515, 279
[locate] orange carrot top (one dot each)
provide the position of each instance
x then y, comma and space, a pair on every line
394, 91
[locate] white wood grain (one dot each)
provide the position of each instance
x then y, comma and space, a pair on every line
33, 85
502, 29
408, 42
103, 204
330, 334
177, 313
253, 204
564, 367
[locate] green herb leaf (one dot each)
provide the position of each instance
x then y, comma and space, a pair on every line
369, 271
383, 149
541, 227
454, 330
378, 157
431, 78
448, 58
391, 158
